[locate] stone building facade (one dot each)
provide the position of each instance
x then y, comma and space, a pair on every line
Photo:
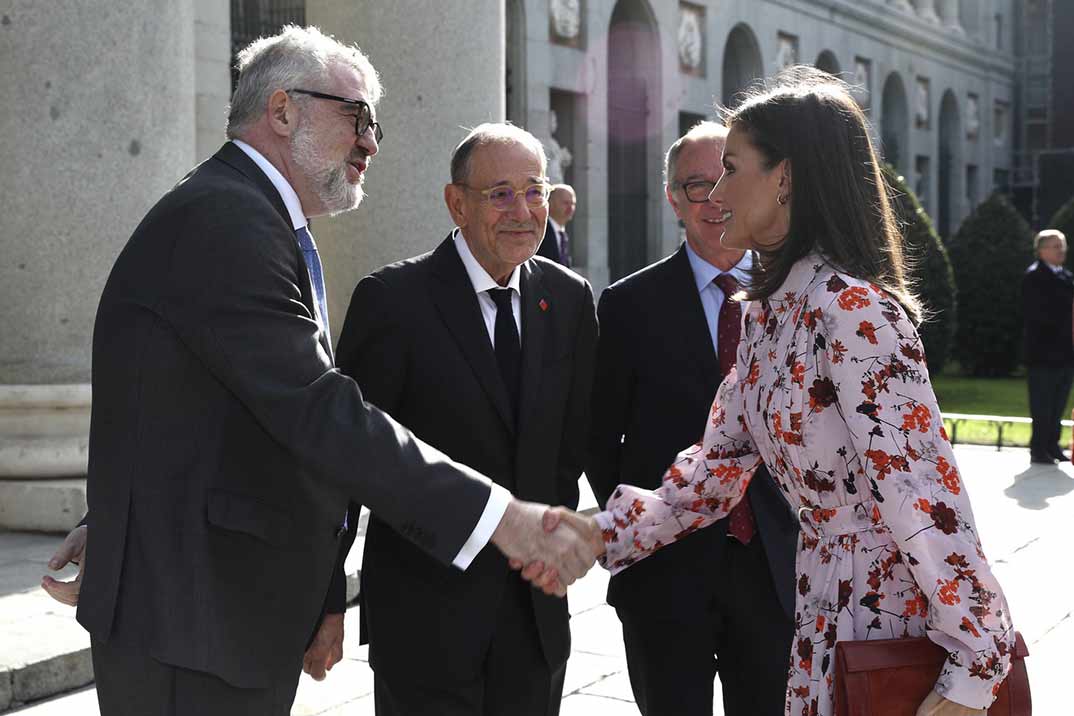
621, 79
112, 102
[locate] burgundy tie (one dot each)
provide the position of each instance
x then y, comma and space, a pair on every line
728, 330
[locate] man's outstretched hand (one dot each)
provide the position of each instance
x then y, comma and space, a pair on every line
555, 548
72, 551
541, 574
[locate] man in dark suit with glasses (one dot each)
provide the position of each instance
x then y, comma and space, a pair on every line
722, 599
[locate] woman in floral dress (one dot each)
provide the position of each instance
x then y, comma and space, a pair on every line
832, 393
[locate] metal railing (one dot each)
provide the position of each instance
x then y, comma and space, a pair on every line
1000, 421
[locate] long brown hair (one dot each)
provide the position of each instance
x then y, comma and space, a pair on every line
840, 203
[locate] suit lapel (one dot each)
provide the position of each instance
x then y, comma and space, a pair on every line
237, 159
454, 297
687, 306
536, 309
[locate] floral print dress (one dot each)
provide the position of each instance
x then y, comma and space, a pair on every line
832, 393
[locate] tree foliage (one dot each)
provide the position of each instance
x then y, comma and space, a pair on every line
930, 274
990, 254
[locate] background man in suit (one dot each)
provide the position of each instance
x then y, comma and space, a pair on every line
224, 447
668, 334
434, 341
1047, 298
557, 244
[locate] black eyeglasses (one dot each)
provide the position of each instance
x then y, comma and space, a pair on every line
697, 192
363, 120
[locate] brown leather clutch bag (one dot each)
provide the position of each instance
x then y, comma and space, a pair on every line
891, 677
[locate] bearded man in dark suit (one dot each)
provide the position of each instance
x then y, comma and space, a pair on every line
722, 599
224, 446
1047, 298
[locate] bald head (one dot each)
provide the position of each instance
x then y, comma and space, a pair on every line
561, 203
706, 131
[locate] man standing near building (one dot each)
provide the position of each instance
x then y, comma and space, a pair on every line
224, 445
557, 244
1047, 299
487, 354
721, 599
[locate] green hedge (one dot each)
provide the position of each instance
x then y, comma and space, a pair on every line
931, 273
990, 253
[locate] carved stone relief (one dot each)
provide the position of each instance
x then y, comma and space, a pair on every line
566, 18
691, 39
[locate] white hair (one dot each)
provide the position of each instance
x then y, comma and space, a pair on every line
297, 58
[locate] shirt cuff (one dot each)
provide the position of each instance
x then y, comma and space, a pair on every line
499, 498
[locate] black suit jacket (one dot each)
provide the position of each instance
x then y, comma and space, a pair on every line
549, 246
1047, 299
657, 374
414, 339
219, 422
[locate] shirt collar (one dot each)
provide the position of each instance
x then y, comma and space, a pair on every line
479, 277
555, 225
287, 192
801, 278
705, 273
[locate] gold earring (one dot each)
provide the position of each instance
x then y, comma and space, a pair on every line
780, 199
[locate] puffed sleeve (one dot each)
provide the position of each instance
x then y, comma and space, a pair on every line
874, 357
703, 484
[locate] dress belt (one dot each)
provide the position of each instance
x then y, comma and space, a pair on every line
839, 520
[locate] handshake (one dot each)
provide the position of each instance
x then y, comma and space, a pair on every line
553, 546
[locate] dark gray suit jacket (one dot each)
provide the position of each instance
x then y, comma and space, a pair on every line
417, 344
221, 425
657, 374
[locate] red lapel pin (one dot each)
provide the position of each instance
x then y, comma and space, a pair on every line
543, 304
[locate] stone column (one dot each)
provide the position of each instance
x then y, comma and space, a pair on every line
100, 123
926, 10
442, 71
212, 50
948, 10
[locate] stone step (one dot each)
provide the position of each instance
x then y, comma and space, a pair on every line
44, 652
42, 505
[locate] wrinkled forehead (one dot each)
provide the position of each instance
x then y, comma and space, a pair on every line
1053, 242
505, 161
698, 157
346, 81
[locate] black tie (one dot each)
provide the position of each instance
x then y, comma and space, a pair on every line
508, 350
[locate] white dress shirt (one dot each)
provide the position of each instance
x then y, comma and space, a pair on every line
498, 496
286, 191
712, 297
482, 283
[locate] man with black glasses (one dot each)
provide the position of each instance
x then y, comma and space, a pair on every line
225, 447
486, 352
721, 599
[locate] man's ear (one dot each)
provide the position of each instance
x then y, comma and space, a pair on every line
454, 198
671, 200
282, 113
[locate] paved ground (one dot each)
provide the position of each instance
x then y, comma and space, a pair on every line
1025, 516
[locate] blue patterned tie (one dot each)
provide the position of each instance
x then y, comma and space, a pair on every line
313, 264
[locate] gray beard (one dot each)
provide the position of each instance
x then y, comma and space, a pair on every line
327, 180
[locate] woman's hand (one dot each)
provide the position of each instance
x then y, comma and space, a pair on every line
936, 705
